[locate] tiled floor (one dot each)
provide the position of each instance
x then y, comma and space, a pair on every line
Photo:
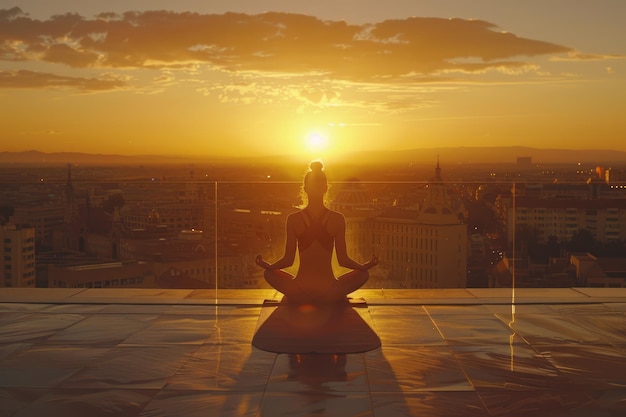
444, 353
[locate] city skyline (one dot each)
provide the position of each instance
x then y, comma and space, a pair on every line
314, 80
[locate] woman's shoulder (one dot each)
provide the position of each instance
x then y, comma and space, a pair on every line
296, 216
335, 216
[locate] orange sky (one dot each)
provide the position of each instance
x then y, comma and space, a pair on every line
205, 82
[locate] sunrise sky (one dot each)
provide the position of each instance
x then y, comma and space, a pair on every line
312, 78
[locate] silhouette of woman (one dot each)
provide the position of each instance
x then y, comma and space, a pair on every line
316, 231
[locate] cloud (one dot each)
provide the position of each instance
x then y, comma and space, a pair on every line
580, 56
33, 79
391, 50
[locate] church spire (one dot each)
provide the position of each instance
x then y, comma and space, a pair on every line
438, 171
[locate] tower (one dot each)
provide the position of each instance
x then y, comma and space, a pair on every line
441, 240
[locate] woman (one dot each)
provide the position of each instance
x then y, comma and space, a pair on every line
316, 231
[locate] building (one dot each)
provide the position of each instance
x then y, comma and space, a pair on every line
358, 207
599, 272
45, 219
18, 256
424, 247
102, 275
563, 217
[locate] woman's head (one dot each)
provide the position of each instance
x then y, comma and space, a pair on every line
315, 182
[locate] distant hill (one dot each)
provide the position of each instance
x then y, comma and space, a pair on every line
492, 155
460, 155
37, 157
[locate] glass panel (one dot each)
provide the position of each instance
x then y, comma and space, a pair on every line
162, 227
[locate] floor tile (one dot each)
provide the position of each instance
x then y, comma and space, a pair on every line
404, 330
221, 368
174, 330
8, 350
590, 366
106, 329
610, 401
169, 356
92, 403
463, 310
233, 329
396, 310
320, 403
611, 328
325, 373
515, 367
432, 404
539, 403
457, 329
417, 368
36, 326
203, 404
13, 400
147, 367
552, 329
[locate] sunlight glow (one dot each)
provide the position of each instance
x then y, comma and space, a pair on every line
316, 142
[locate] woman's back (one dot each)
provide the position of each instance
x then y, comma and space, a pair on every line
316, 241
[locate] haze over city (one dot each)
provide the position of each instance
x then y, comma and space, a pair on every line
321, 79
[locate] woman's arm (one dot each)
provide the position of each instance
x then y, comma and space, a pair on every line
289, 254
342, 252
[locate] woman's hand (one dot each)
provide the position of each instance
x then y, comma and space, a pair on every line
261, 262
371, 263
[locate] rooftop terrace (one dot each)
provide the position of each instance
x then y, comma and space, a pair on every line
113, 352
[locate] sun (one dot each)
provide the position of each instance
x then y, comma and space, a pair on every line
316, 141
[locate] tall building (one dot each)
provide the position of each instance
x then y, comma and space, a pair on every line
18, 256
419, 248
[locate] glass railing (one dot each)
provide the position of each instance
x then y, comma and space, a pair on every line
155, 232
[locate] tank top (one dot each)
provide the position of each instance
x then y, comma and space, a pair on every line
316, 231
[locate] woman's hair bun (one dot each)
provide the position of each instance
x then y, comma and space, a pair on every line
316, 166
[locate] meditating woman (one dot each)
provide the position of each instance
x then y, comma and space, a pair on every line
316, 231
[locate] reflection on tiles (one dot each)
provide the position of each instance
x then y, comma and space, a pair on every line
457, 329
174, 330
611, 400
407, 330
35, 326
400, 369
178, 353
539, 403
616, 307
10, 349
432, 404
397, 310
588, 365
202, 404
43, 355
13, 400
92, 403
464, 310
234, 329
221, 368
516, 367
322, 373
611, 328
108, 329
34, 377
336, 404
548, 329
146, 367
